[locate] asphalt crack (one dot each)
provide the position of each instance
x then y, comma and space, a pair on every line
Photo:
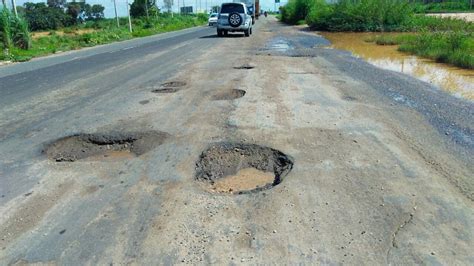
394, 243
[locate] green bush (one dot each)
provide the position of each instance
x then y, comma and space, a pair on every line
13, 32
42, 17
361, 15
451, 47
295, 10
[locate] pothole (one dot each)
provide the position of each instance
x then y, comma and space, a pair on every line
349, 98
174, 84
245, 66
228, 95
242, 168
97, 146
169, 87
165, 90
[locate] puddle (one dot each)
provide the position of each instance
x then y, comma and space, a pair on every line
228, 95
279, 45
99, 146
457, 81
299, 45
242, 168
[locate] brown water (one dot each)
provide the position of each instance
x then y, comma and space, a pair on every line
457, 81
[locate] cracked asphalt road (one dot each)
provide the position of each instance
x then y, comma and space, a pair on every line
380, 176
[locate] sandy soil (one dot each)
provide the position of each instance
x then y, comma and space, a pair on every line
465, 16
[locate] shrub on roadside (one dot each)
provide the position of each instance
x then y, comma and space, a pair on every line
13, 32
295, 10
361, 15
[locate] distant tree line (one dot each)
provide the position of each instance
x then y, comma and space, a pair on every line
58, 13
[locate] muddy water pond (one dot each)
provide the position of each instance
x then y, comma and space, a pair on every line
459, 82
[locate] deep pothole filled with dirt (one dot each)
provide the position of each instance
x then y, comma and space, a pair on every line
228, 95
239, 168
169, 87
98, 146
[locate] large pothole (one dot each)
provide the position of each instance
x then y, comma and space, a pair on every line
116, 145
228, 95
242, 168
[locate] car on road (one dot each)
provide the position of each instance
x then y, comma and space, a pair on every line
212, 21
234, 17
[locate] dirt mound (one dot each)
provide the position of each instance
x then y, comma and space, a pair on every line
82, 146
242, 168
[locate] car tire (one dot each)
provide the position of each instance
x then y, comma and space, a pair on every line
219, 33
226, 33
251, 31
235, 20
247, 32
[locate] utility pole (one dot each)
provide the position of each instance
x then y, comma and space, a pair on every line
4, 3
129, 18
146, 9
116, 15
14, 8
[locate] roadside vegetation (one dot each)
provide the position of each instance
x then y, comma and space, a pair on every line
445, 40
60, 26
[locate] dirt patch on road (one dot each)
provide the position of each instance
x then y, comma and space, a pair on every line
229, 95
242, 168
245, 180
114, 145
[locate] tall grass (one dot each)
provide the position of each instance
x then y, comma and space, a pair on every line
105, 32
13, 33
452, 47
5, 31
360, 15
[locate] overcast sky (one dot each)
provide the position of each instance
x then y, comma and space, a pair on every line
199, 4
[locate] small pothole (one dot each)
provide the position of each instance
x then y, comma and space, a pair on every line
115, 145
245, 66
174, 84
169, 87
349, 98
228, 95
144, 102
165, 90
242, 168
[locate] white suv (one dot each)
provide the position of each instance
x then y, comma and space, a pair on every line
234, 17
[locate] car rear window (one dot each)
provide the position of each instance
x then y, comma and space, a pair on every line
231, 8
213, 15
